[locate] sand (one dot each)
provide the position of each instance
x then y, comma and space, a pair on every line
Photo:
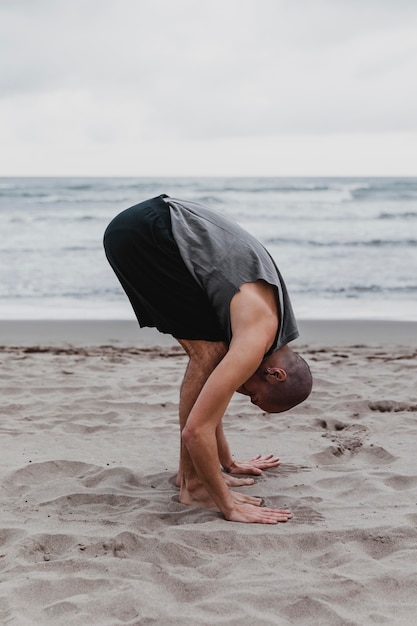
91, 529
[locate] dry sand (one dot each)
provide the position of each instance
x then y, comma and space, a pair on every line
91, 529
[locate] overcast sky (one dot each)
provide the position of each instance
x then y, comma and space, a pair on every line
218, 87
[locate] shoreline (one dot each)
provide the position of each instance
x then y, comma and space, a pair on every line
122, 333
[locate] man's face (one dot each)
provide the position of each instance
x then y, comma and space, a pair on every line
257, 387
263, 388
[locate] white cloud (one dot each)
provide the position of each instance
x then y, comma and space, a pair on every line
118, 75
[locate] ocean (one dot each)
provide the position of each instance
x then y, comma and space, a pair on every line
347, 247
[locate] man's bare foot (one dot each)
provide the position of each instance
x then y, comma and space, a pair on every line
246, 509
199, 497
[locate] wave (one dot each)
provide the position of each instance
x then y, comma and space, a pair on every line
83, 200
85, 293
94, 246
387, 189
110, 189
66, 218
81, 187
342, 244
394, 216
358, 290
278, 188
210, 200
18, 193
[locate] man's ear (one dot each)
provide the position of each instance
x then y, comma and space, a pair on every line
278, 373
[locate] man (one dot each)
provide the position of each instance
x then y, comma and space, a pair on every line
198, 276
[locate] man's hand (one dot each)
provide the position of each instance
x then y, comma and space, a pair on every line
253, 466
250, 514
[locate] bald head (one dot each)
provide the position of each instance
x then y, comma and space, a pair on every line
290, 388
282, 381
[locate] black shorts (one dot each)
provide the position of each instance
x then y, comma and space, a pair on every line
143, 253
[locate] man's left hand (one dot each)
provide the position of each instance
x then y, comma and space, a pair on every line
254, 465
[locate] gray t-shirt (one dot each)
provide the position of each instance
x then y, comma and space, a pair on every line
222, 256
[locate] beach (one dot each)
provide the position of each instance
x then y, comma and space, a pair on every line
92, 531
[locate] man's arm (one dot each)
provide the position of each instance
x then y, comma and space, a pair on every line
253, 309
199, 435
254, 320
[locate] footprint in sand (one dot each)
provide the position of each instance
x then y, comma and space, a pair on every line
302, 513
284, 469
331, 424
305, 515
347, 437
349, 440
386, 406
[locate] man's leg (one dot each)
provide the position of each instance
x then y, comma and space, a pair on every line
204, 356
